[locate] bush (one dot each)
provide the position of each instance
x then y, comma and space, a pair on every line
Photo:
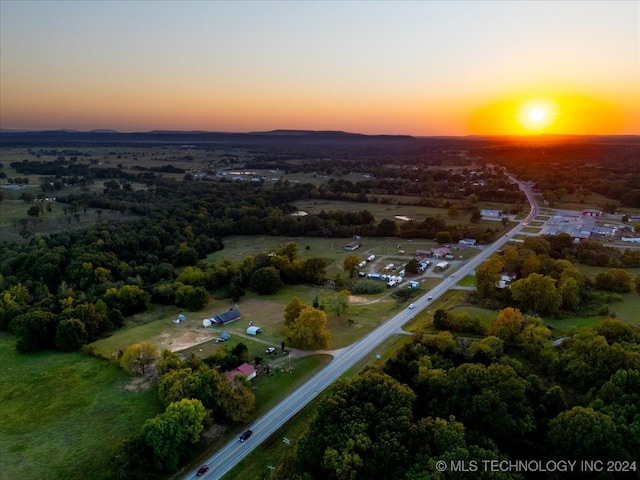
364, 287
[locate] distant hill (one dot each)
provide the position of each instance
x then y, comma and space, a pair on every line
284, 138
164, 137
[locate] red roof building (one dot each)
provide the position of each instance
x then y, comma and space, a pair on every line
244, 369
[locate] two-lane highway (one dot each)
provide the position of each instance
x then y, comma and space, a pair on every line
232, 453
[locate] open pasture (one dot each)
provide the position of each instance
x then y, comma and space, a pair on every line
52, 406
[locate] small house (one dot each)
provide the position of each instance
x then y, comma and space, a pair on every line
467, 241
253, 330
245, 369
487, 213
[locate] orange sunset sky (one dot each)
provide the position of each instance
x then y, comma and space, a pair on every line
416, 68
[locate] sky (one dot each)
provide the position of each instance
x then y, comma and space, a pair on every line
418, 68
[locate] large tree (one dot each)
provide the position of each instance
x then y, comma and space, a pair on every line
292, 310
487, 277
35, 330
167, 433
537, 293
507, 324
137, 357
350, 265
266, 281
71, 334
309, 331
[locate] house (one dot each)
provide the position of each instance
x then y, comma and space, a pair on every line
253, 330
414, 284
226, 317
423, 253
245, 369
491, 214
350, 247
467, 241
440, 252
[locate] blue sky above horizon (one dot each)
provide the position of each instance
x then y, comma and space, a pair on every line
418, 68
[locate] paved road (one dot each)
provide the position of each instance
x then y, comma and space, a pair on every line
233, 452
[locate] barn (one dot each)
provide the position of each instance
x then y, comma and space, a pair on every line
226, 317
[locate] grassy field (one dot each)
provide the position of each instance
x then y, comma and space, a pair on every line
596, 201
62, 413
398, 207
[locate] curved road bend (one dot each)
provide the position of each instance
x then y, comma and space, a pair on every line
233, 452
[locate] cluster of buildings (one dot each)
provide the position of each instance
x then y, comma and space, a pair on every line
581, 226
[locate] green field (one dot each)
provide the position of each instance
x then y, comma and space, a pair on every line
400, 206
62, 413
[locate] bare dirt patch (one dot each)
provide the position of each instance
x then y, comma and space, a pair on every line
143, 382
354, 299
214, 432
177, 341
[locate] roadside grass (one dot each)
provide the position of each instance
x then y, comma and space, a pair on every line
531, 230
61, 414
468, 281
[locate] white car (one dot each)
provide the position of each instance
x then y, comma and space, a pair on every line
270, 350
411, 305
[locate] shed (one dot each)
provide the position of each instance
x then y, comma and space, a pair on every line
352, 246
253, 330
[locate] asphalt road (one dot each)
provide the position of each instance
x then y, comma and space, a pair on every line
232, 453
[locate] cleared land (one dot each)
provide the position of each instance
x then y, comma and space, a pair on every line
51, 406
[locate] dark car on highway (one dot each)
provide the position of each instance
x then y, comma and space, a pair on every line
202, 470
245, 435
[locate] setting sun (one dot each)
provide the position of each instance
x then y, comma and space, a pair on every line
537, 115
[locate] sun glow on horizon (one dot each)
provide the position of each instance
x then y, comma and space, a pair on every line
537, 115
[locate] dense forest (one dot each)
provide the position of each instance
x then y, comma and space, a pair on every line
478, 405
